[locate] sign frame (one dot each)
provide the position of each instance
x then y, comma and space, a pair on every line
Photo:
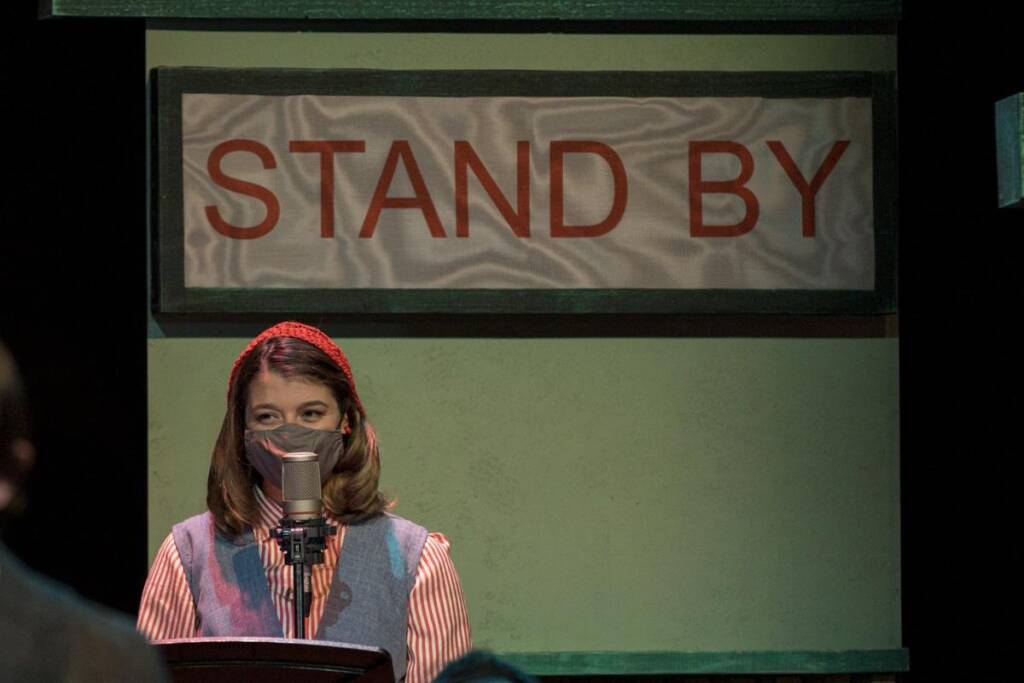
1009, 114
171, 296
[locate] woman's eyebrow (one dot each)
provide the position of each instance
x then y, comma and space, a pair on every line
314, 402
271, 406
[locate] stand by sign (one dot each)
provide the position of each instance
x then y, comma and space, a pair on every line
340, 191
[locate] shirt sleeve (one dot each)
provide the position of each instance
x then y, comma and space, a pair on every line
167, 609
438, 624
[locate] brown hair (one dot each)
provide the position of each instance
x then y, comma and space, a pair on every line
350, 492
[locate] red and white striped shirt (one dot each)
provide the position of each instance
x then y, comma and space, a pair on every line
438, 624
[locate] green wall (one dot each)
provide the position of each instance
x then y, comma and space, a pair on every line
523, 51
601, 494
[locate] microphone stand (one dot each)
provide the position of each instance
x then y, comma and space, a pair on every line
303, 541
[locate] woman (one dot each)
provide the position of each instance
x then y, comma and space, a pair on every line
221, 573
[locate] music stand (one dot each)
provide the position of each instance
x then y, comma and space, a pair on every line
273, 660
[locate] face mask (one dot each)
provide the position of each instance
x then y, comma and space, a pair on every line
266, 447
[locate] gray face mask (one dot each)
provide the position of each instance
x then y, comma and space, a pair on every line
266, 447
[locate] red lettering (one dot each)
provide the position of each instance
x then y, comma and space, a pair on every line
242, 187
559, 148
326, 149
808, 191
699, 187
400, 150
465, 158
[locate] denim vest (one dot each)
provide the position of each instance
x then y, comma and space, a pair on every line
368, 602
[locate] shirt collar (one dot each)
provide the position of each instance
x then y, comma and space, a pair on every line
270, 510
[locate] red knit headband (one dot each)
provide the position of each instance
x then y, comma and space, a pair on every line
307, 334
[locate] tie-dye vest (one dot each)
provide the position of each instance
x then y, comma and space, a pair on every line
368, 603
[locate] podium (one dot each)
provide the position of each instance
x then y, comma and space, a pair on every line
273, 660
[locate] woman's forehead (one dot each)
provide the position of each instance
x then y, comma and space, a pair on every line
272, 387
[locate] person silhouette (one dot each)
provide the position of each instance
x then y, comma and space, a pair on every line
47, 633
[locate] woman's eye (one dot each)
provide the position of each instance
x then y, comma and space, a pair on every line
266, 418
312, 415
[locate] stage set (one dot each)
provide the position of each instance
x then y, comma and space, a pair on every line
631, 341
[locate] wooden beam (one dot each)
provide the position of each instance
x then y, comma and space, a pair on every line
477, 10
710, 663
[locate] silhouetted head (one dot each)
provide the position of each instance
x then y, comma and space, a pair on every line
16, 452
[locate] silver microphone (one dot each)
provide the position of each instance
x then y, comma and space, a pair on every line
300, 486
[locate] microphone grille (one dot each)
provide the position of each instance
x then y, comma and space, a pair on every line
300, 477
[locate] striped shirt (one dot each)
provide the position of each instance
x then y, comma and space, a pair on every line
438, 624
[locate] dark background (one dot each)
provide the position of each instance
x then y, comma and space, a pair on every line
72, 271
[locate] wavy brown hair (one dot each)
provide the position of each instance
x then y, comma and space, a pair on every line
350, 492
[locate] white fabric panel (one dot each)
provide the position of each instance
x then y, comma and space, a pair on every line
651, 247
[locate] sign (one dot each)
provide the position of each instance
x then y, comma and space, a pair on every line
438, 192
1010, 151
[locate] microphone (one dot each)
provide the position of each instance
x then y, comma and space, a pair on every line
303, 532
300, 486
